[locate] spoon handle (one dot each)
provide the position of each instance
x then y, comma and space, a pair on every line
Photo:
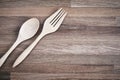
5, 56
27, 51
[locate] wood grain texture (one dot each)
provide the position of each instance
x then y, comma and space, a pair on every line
81, 24
95, 3
87, 39
73, 12
31, 3
102, 46
86, 47
84, 76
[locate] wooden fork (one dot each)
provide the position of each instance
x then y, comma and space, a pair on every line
51, 25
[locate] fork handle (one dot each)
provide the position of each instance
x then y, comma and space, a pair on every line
27, 51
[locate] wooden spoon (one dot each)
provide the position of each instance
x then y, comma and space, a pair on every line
27, 31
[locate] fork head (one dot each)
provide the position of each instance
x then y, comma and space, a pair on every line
53, 22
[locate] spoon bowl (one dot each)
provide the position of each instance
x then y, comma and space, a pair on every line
27, 31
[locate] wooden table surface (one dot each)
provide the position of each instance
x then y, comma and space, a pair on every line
86, 47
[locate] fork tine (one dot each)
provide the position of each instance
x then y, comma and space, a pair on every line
57, 16
54, 14
60, 20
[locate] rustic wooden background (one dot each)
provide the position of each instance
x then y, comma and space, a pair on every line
86, 47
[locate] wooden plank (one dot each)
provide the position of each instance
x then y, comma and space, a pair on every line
92, 21
85, 25
71, 59
73, 12
43, 62
31, 3
54, 43
63, 76
96, 3
117, 68
60, 68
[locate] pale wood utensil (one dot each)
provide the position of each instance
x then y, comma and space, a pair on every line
51, 25
27, 31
